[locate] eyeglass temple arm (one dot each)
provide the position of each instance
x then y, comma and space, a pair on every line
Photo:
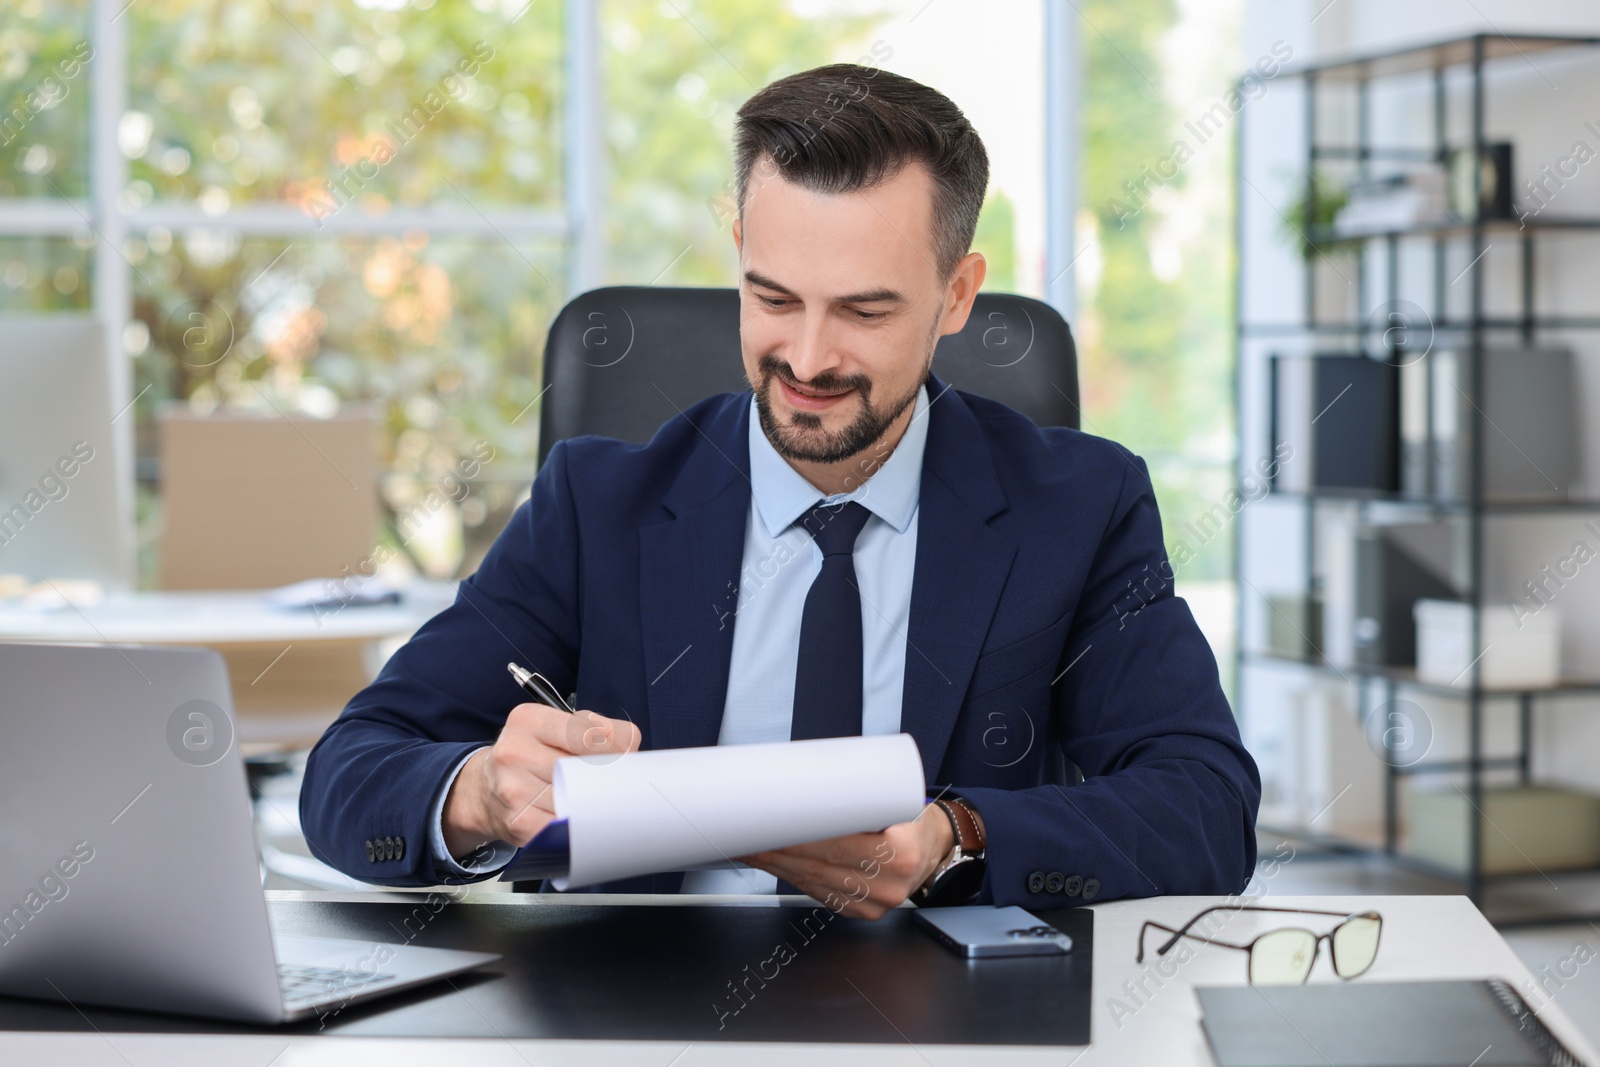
1176, 934
1184, 931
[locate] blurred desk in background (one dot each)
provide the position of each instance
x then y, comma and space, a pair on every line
291, 668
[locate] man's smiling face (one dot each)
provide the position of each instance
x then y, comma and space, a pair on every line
841, 304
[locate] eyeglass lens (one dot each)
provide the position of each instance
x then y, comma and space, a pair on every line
1282, 957
1355, 944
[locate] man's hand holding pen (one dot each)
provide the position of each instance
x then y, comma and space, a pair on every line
503, 792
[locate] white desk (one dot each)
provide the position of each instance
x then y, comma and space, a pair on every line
291, 669
218, 618
1423, 938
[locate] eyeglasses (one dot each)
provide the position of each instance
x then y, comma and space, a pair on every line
1285, 957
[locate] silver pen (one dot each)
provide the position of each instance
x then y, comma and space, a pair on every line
537, 686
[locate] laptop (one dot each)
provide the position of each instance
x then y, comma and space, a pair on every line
128, 867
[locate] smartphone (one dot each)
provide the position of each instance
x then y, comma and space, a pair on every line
983, 931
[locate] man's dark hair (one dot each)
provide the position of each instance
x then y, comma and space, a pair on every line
843, 128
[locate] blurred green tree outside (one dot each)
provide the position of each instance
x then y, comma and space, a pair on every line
237, 104
1155, 348
45, 67
673, 83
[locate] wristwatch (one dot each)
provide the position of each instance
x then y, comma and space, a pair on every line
959, 877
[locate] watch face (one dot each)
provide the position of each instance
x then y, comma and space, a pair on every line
956, 884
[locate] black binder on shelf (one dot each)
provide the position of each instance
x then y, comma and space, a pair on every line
1377, 1024
1339, 414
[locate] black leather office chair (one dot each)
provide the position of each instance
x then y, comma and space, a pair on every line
621, 361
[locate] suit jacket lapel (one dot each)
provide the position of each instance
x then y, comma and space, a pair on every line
688, 583
960, 570
690, 562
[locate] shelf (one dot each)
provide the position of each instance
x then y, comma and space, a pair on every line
1437, 55
1462, 70
1321, 329
1460, 766
1430, 767
1320, 235
1350, 151
1442, 507
1360, 847
1407, 676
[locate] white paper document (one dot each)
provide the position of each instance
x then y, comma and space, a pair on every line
679, 809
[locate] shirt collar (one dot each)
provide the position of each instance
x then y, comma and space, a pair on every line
782, 494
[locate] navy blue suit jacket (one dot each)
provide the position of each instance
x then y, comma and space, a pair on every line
1043, 630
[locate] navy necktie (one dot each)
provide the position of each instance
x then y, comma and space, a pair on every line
827, 682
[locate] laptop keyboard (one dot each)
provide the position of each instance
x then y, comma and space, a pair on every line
310, 985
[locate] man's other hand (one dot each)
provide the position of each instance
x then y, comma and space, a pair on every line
503, 792
864, 875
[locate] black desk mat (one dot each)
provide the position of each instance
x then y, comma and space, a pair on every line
671, 973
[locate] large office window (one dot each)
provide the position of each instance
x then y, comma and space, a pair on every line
285, 205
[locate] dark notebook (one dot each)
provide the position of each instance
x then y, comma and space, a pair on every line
1377, 1024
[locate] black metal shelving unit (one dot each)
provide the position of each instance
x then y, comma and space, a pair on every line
1358, 73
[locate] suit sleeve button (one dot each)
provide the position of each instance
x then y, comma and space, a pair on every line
1073, 887
399, 848
1036, 882
1091, 888
372, 853
1053, 882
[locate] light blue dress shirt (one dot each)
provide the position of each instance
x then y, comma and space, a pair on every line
780, 562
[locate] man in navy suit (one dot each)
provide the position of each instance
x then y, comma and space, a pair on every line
848, 547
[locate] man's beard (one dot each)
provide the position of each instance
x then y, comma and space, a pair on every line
805, 439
